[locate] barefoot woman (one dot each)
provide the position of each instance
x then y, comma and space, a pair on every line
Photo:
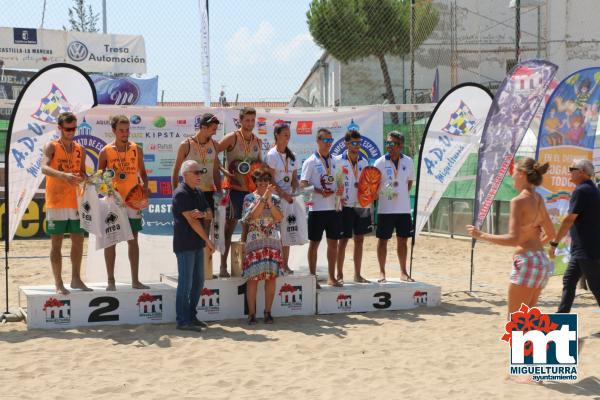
529, 229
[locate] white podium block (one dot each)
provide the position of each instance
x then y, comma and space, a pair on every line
48, 310
364, 297
225, 298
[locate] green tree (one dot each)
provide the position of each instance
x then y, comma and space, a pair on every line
82, 18
356, 29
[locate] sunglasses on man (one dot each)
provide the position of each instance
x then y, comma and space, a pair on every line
573, 169
196, 172
326, 140
354, 142
389, 143
73, 129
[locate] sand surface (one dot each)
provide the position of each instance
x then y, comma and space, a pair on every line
452, 351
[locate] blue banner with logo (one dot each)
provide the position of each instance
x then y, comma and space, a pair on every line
126, 91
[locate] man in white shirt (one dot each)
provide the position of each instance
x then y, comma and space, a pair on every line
356, 221
319, 171
394, 213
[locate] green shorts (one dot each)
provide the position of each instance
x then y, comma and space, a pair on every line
62, 227
136, 224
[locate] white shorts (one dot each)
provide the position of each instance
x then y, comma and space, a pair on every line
133, 214
62, 214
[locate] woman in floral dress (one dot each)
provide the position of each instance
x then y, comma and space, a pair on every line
262, 254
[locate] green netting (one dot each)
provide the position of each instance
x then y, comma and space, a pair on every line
3, 131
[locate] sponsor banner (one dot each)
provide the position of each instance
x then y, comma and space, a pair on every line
53, 90
106, 53
567, 132
304, 126
453, 131
12, 82
30, 48
33, 223
126, 91
513, 108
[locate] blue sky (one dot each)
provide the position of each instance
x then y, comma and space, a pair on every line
260, 49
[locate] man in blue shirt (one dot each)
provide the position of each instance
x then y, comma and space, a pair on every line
582, 223
189, 240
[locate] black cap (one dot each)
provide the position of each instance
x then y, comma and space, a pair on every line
208, 119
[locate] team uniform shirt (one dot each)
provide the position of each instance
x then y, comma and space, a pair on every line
320, 172
243, 151
59, 193
205, 154
394, 199
351, 177
125, 164
284, 168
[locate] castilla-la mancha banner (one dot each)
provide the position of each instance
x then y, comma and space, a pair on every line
31, 48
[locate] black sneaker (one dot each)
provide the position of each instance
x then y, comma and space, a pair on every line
189, 328
197, 322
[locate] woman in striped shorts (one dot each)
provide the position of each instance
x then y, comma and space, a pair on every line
529, 229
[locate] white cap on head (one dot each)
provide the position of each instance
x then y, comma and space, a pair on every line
189, 165
585, 166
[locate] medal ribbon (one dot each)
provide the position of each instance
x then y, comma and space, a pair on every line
285, 162
395, 169
246, 144
324, 161
202, 149
69, 155
354, 169
122, 162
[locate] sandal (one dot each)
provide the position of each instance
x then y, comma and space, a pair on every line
268, 318
252, 319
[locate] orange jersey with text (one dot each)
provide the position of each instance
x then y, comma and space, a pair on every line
126, 167
59, 193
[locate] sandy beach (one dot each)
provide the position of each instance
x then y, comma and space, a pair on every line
447, 352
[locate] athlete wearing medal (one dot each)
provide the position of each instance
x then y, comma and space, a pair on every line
64, 167
283, 166
126, 159
318, 170
397, 176
356, 221
241, 149
202, 149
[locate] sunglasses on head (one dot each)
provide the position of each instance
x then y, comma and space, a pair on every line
354, 142
326, 140
389, 143
573, 169
73, 129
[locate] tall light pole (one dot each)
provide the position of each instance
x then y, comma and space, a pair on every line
103, 16
517, 29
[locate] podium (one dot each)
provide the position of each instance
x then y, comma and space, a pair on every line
48, 310
225, 298
365, 297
